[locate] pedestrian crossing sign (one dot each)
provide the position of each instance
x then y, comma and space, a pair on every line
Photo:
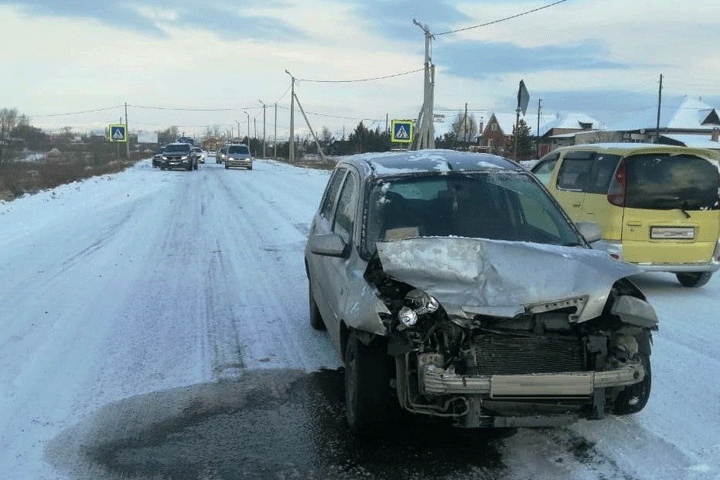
117, 133
402, 131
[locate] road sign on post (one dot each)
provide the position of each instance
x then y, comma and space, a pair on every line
402, 131
117, 133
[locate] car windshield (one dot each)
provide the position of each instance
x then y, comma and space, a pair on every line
238, 149
177, 148
664, 181
501, 206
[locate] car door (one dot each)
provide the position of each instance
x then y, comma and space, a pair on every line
322, 225
573, 176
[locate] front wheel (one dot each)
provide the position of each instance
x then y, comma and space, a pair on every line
694, 279
634, 397
367, 384
316, 320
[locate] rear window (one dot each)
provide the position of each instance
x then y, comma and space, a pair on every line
238, 149
177, 148
664, 182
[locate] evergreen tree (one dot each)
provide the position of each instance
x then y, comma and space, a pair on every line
525, 149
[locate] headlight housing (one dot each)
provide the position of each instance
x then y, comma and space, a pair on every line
417, 303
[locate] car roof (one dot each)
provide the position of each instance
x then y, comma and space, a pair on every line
423, 161
637, 148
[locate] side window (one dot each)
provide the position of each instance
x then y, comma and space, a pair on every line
602, 172
543, 170
331, 193
574, 172
344, 216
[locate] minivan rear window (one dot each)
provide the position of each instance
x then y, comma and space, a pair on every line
665, 182
238, 149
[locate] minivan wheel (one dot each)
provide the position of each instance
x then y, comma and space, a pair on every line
367, 384
694, 279
634, 397
316, 320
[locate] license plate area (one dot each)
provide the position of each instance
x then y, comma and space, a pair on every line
672, 233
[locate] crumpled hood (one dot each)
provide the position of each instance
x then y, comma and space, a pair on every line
501, 278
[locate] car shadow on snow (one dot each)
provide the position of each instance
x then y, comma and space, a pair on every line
266, 424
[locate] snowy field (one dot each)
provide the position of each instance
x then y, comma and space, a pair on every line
145, 281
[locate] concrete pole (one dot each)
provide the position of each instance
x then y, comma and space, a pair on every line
263, 126
127, 135
275, 138
292, 118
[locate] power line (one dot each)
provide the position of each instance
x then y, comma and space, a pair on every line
334, 116
502, 19
76, 113
359, 79
186, 109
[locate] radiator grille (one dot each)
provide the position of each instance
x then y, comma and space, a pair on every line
512, 355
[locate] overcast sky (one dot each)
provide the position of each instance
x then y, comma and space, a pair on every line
200, 64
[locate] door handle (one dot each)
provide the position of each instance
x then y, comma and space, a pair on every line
634, 224
576, 205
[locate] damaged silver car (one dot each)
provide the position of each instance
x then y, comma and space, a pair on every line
453, 285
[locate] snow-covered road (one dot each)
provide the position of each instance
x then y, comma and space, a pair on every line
146, 281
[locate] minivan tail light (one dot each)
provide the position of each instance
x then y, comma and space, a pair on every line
618, 185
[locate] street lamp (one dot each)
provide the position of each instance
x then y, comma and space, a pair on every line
261, 103
248, 120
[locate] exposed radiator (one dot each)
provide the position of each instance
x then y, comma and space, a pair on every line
510, 355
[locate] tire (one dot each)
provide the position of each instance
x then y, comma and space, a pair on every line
226, 167
316, 320
694, 279
250, 167
367, 384
634, 398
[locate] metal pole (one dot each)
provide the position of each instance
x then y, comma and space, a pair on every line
292, 118
238, 125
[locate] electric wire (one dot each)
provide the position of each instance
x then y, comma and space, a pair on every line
501, 19
358, 80
76, 113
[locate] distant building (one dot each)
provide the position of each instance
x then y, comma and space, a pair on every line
686, 122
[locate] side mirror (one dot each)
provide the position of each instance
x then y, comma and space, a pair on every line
329, 245
590, 231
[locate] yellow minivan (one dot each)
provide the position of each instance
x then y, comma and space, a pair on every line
657, 206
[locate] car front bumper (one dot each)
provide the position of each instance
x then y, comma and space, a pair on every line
435, 380
236, 162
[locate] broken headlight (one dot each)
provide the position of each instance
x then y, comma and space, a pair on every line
417, 303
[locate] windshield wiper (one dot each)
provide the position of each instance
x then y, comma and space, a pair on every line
683, 209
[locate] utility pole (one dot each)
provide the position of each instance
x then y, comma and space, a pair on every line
317, 142
465, 132
657, 125
248, 120
426, 133
238, 125
275, 140
537, 133
127, 135
261, 103
292, 118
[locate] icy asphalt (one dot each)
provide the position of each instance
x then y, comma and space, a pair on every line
154, 325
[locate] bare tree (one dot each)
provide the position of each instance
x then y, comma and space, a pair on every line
465, 127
